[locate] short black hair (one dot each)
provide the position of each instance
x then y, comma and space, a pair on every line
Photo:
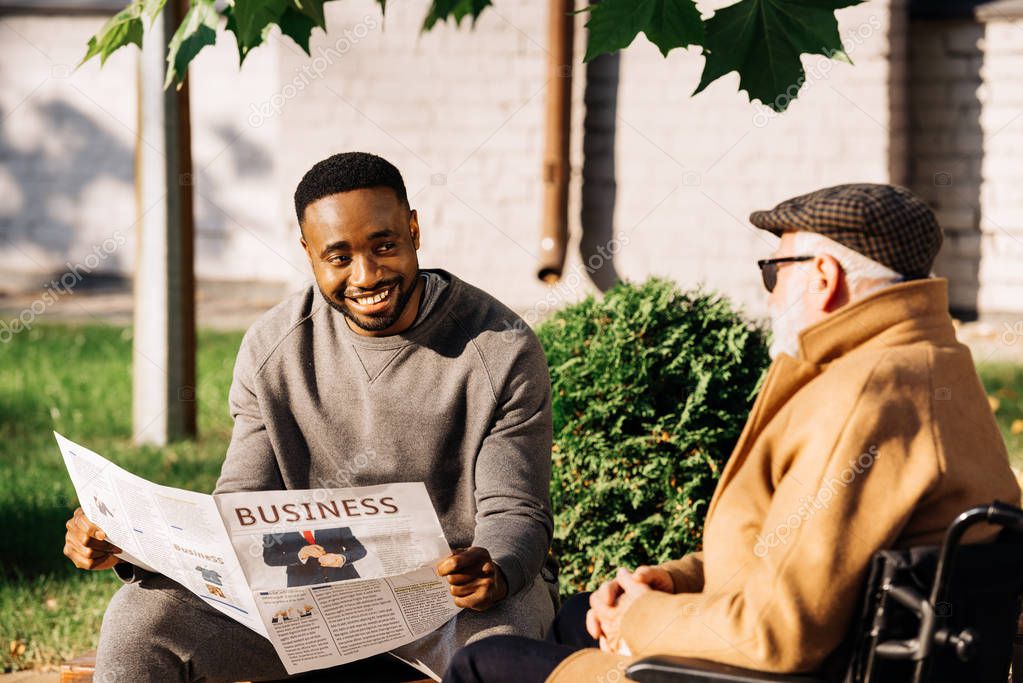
345, 172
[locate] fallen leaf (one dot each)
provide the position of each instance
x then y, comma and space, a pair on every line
1017, 427
994, 403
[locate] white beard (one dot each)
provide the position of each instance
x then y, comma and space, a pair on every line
786, 324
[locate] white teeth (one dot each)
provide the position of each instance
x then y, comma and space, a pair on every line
373, 299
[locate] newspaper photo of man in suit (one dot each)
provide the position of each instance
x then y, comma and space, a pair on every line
312, 557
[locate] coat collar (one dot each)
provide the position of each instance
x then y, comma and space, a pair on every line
902, 313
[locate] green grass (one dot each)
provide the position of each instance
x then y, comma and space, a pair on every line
1004, 383
77, 380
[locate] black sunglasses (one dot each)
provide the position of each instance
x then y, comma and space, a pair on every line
769, 268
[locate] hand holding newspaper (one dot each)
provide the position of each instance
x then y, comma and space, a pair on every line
329, 576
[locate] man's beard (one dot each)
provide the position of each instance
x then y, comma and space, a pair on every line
786, 324
376, 323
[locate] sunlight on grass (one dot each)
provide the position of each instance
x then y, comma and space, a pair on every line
77, 380
1004, 384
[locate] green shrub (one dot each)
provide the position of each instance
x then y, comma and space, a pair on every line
651, 389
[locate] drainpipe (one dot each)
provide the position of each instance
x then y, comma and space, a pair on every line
554, 225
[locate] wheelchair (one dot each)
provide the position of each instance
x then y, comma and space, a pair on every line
935, 614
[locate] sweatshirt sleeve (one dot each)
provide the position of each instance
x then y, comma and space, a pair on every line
513, 470
130, 573
251, 464
847, 492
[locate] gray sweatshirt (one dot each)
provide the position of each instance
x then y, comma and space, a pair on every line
460, 401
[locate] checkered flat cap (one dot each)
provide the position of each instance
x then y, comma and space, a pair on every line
883, 222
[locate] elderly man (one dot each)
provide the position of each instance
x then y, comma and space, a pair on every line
379, 372
871, 431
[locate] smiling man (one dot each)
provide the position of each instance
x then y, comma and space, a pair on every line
379, 372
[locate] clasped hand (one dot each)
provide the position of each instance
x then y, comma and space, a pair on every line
609, 603
324, 558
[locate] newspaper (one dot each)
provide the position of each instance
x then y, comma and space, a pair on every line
329, 576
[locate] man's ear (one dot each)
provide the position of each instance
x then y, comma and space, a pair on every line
413, 226
305, 247
827, 285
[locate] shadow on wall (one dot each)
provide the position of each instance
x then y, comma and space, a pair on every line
54, 174
599, 185
946, 139
213, 226
53, 178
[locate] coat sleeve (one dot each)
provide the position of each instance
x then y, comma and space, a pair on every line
686, 573
353, 547
847, 492
251, 464
513, 470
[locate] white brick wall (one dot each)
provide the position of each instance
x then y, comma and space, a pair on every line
1001, 219
967, 94
460, 112
66, 146
238, 234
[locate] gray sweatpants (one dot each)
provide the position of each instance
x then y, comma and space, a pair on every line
155, 630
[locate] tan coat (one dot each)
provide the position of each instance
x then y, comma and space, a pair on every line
876, 437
